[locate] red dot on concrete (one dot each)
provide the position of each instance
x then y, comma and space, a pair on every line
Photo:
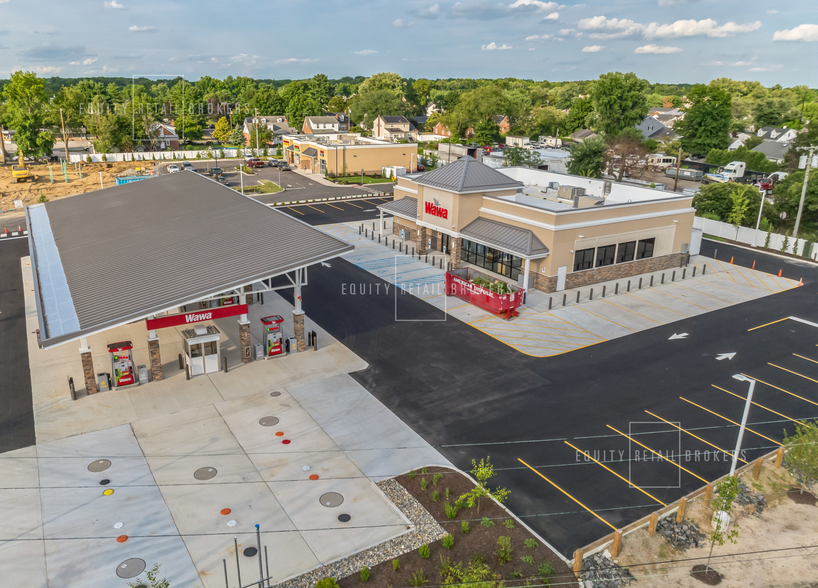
279, 434
225, 511
286, 442
313, 476
122, 539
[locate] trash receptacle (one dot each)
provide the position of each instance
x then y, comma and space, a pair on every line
258, 351
143, 374
103, 382
293, 345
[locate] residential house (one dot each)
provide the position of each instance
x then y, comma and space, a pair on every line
342, 118
652, 128
277, 123
419, 121
393, 128
666, 116
502, 122
316, 125
443, 131
737, 140
164, 136
582, 134
782, 134
773, 150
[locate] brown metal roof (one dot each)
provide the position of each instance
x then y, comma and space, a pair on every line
467, 175
517, 240
130, 251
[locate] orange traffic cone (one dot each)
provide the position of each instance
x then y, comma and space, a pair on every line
754, 264
800, 281
731, 260
779, 273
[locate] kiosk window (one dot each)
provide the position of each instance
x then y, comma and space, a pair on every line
645, 248
196, 350
583, 259
626, 251
210, 348
605, 255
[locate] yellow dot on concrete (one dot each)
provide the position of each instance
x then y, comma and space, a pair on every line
107, 492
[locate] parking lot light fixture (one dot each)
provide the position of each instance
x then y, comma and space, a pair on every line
747, 404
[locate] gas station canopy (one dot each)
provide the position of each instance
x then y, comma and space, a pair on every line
125, 253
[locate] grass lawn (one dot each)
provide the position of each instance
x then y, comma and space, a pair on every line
357, 180
265, 187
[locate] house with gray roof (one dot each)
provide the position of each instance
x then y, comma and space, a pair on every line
393, 128
772, 150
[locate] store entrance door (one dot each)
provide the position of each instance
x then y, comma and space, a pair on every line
445, 243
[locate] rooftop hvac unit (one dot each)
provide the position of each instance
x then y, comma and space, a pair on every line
553, 185
570, 192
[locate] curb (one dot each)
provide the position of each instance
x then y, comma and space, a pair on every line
20, 232
329, 199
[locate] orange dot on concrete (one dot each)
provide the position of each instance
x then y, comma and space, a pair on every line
122, 539
225, 511
279, 433
313, 476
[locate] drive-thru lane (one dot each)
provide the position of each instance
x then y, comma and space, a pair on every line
472, 396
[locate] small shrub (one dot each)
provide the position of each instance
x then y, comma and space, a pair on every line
424, 471
531, 543
104, 158
396, 564
436, 478
435, 496
42, 199
412, 474
87, 159
417, 579
508, 524
464, 527
447, 493
478, 559
504, 550
487, 522
528, 559
516, 574
451, 509
326, 583
198, 155
424, 551
423, 483
546, 572
364, 574
447, 541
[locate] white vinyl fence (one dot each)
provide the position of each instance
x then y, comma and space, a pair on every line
168, 155
751, 237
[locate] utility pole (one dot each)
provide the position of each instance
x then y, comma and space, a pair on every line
678, 167
2, 147
256, 132
64, 140
803, 195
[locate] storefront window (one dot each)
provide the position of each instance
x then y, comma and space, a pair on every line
626, 251
645, 249
605, 255
490, 259
584, 259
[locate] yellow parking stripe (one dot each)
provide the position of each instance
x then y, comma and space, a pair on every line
659, 454
536, 333
756, 403
352, 203
782, 389
617, 475
807, 358
682, 300
566, 493
318, 209
294, 210
691, 434
336, 207
725, 289
792, 372
746, 428
724, 270
743, 276
768, 324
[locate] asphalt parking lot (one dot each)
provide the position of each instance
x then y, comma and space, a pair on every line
340, 211
472, 396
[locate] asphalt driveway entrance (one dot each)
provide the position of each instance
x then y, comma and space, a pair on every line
472, 396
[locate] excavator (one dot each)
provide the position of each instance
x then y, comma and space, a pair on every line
21, 173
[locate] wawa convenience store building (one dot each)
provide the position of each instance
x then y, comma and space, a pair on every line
541, 229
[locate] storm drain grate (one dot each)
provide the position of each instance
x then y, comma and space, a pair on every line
99, 466
268, 421
130, 568
331, 499
205, 473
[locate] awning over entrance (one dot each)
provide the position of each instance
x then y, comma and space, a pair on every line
406, 206
125, 253
509, 238
310, 152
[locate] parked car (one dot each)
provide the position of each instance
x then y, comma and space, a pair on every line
215, 172
172, 168
273, 163
187, 165
254, 162
421, 167
284, 166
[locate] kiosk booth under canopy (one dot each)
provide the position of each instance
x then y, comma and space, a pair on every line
174, 225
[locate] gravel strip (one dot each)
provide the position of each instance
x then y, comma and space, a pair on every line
425, 530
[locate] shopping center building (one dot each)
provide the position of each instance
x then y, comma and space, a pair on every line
347, 154
542, 229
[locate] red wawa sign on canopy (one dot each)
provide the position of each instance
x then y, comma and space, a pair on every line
197, 316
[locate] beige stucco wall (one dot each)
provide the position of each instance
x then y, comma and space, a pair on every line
372, 158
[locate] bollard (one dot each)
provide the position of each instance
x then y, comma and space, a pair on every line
71, 388
616, 548
704, 269
393, 244
577, 296
684, 272
181, 362
640, 284
314, 341
694, 271
225, 364
427, 258
262, 297
715, 254
708, 495
379, 239
603, 291
591, 297
629, 285
564, 298
663, 277
578, 562
673, 276
359, 229
680, 514
187, 373
616, 289
654, 518
441, 263
779, 457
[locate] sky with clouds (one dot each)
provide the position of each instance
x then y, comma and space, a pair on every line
666, 41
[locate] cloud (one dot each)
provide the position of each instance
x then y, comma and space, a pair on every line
432, 12
138, 29
537, 5
551, 17
114, 4
88, 61
47, 69
295, 60
539, 37
564, 32
592, 49
614, 28
760, 69
131, 56
772, 12
656, 49
494, 47
55, 53
804, 32
366, 52
401, 23
672, 2
486, 10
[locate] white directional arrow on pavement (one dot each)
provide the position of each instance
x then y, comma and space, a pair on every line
679, 336
721, 356
325, 264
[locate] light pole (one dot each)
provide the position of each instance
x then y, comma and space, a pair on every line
803, 194
758, 223
741, 378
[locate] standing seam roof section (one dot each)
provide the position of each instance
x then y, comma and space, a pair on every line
407, 206
517, 239
144, 246
467, 175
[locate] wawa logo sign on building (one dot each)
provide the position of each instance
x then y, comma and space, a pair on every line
436, 210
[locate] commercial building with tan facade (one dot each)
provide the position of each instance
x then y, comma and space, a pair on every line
542, 229
339, 153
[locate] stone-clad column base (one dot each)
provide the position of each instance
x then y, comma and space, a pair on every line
298, 328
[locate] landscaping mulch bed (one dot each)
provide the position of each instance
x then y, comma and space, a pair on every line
480, 541
706, 575
799, 497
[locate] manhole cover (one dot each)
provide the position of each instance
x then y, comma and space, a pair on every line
331, 499
268, 421
275, 394
99, 466
250, 552
205, 473
130, 568
344, 518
